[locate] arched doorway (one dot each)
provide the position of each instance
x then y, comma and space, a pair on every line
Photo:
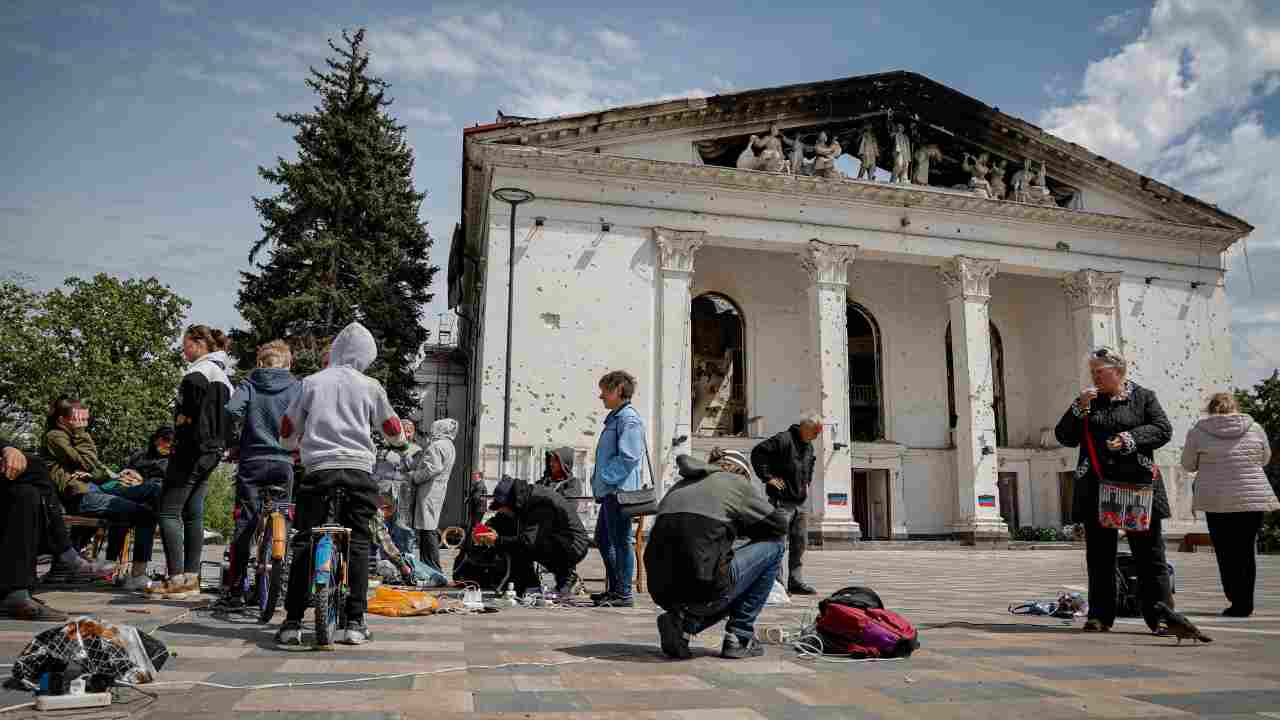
718, 374
997, 386
866, 405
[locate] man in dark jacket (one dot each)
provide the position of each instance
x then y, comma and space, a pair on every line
152, 462
30, 518
694, 573
547, 531
259, 402
785, 463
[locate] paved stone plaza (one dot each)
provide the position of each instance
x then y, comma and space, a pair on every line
977, 661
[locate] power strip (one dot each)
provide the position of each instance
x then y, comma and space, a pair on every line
67, 702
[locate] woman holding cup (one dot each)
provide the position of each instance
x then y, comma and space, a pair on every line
1118, 425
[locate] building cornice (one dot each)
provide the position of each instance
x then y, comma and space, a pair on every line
490, 155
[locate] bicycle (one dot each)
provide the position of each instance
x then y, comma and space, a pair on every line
273, 538
330, 551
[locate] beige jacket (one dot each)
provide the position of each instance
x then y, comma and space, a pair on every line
1228, 452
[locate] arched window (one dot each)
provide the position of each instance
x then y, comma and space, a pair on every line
718, 374
997, 385
866, 386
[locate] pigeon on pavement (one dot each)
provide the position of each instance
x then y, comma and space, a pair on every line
1179, 626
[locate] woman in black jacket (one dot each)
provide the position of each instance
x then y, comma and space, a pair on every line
1127, 425
201, 426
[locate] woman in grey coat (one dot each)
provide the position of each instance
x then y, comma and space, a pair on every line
430, 477
1227, 450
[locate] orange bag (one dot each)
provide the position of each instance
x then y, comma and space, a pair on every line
393, 602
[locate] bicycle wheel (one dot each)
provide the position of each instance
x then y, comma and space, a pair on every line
271, 578
327, 595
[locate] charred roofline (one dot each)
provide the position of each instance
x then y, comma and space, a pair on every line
838, 98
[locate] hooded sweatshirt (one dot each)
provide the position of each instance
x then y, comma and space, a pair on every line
567, 485
201, 424
547, 526
261, 400
690, 549
330, 419
1228, 452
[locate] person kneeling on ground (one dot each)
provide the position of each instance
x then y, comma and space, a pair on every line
31, 518
695, 574
330, 422
547, 531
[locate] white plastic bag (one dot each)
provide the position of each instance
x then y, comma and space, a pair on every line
778, 595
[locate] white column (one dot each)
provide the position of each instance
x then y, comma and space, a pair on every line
831, 496
676, 249
968, 284
1091, 296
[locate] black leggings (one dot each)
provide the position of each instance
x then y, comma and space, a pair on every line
1148, 555
1235, 544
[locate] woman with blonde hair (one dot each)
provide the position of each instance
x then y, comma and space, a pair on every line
1227, 450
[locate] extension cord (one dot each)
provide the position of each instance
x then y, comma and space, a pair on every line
67, 702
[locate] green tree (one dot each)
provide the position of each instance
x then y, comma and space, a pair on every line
342, 237
1263, 404
109, 342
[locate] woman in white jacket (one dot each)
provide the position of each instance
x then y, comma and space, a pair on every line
1228, 450
430, 473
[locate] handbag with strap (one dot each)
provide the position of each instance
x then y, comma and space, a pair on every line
638, 503
1121, 506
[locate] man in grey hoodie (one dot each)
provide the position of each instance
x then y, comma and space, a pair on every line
260, 401
329, 423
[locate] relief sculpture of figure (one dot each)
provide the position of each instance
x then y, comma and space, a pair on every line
868, 151
996, 180
924, 154
901, 155
764, 153
1021, 183
825, 154
800, 165
978, 168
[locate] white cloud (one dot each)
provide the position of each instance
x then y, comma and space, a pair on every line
1180, 103
176, 7
615, 41
426, 116
1117, 23
240, 82
673, 29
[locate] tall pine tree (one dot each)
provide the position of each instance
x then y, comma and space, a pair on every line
342, 238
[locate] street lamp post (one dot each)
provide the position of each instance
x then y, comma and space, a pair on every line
513, 197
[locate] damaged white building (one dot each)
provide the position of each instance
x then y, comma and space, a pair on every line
923, 270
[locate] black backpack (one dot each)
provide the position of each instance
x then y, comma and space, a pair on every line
1128, 587
854, 596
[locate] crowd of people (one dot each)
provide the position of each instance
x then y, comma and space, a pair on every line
726, 532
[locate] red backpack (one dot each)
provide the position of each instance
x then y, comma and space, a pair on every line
854, 622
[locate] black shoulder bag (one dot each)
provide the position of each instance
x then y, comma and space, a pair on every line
638, 503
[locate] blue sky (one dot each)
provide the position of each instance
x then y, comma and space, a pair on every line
133, 131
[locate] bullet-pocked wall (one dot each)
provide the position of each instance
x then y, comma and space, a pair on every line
584, 305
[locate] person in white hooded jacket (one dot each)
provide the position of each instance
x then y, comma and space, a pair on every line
329, 424
1228, 450
429, 474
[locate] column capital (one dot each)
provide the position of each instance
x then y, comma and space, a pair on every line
1091, 289
677, 247
967, 277
827, 264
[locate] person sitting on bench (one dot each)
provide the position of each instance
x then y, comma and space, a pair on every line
547, 531
31, 519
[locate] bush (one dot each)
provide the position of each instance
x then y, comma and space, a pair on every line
1269, 538
1045, 534
220, 500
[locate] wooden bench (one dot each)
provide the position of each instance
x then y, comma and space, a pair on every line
1191, 541
101, 527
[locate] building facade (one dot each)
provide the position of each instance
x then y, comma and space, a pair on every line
922, 270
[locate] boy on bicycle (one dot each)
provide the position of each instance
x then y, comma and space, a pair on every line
329, 422
260, 401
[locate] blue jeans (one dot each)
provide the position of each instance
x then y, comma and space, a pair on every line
118, 509
181, 512
754, 569
617, 546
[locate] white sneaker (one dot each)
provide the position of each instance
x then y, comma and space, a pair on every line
137, 583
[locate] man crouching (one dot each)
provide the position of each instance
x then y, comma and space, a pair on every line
694, 572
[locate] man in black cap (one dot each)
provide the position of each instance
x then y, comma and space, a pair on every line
546, 530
